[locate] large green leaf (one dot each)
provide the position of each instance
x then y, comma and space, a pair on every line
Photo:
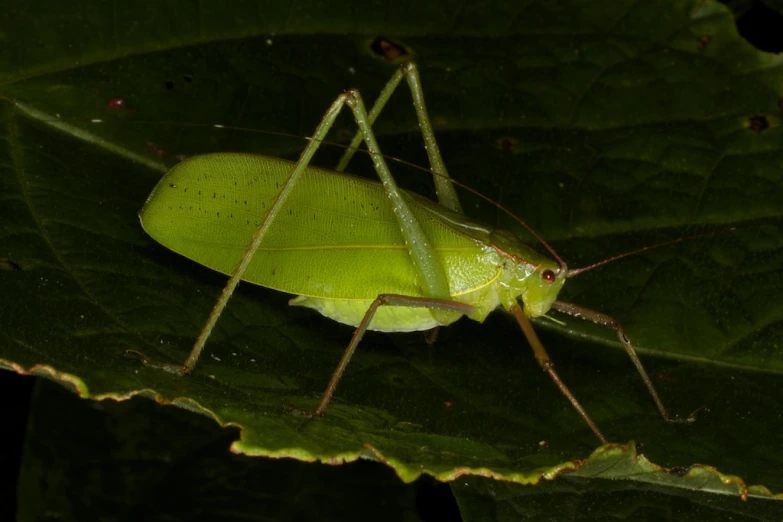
606, 125
131, 460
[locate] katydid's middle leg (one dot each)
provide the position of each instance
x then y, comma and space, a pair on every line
383, 300
548, 366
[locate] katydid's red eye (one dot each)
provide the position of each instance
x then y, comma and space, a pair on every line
548, 276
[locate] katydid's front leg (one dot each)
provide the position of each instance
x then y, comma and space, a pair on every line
605, 320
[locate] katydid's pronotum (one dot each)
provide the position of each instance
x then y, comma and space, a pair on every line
363, 253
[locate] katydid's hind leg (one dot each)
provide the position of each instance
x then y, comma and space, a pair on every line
444, 188
432, 274
383, 300
377, 107
548, 366
605, 320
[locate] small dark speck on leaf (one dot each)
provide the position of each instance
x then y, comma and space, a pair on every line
704, 41
507, 144
679, 471
758, 123
116, 103
397, 380
172, 185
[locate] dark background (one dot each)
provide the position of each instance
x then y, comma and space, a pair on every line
760, 25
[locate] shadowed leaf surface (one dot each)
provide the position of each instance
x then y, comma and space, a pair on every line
133, 461
607, 126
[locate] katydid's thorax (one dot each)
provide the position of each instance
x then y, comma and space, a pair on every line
527, 276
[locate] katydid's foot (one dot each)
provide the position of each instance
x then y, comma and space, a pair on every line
689, 419
175, 369
293, 410
431, 337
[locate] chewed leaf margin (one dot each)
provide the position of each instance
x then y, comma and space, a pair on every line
611, 461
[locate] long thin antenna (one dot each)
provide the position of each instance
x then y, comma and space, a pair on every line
500, 207
576, 271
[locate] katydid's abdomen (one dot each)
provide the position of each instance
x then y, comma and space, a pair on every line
336, 244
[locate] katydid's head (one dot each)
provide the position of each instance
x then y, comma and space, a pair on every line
542, 288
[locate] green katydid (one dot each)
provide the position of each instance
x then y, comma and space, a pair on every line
363, 253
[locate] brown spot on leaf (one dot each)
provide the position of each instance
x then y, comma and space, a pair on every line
704, 41
387, 49
758, 123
